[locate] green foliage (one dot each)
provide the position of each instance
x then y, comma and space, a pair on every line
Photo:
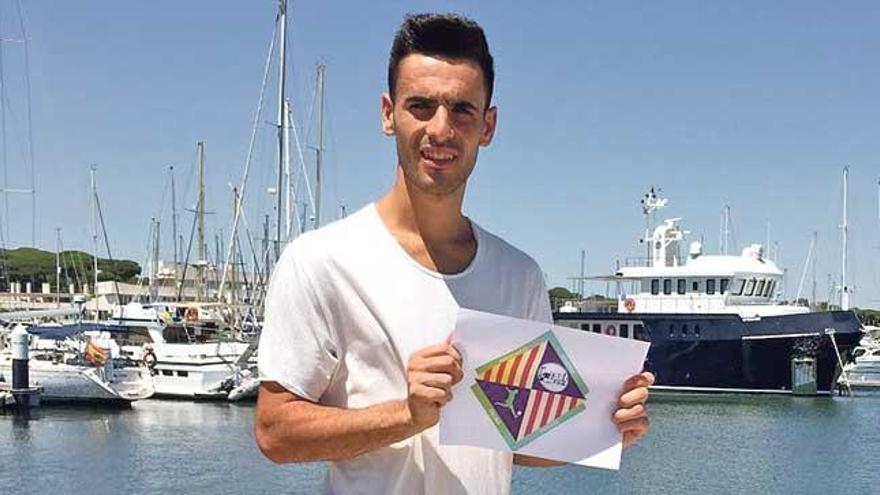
36, 266
562, 293
868, 316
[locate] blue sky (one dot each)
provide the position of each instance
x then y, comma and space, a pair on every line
757, 105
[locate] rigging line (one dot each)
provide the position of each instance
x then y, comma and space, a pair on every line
182, 281
307, 127
27, 76
147, 259
302, 162
3, 101
257, 268
247, 163
334, 162
107, 245
63, 262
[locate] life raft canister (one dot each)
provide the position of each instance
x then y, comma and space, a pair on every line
611, 330
629, 304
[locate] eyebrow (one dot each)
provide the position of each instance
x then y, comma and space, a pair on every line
457, 104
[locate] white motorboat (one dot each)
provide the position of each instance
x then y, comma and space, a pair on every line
72, 367
864, 371
189, 359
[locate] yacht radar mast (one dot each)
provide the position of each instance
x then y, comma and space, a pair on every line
651, 202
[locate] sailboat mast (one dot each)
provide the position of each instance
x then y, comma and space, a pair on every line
320, 148
282, 19
233, 293
94, 214
58, 266
174, 218
844, 290
288, 189
200, 215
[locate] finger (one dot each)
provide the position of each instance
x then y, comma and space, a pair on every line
639, 425
457, 374
629, 414
643, 379
432, 350
455, 354
633, 397
429, 394
435, 380
633, 431
443, 363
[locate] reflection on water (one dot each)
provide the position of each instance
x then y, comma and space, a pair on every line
698, 444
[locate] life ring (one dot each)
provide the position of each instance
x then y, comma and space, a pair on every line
611, 330
191, 314
629, 304
149, 358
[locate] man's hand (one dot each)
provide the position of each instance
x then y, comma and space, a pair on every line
631, 416
431, 373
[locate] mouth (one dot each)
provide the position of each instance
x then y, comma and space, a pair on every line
437, 157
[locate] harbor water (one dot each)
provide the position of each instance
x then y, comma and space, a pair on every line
698, 444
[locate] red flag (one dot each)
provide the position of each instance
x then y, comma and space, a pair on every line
95, 354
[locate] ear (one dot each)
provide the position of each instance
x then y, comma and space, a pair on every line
387, 115
490, 120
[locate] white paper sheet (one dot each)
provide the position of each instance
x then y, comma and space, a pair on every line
551, 398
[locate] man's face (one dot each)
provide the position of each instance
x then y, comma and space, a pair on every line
440, 120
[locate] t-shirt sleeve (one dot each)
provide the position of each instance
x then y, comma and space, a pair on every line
539, 303
297, 347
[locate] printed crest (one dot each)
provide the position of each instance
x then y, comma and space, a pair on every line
530, 390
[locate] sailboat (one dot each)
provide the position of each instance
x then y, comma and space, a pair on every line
72, 366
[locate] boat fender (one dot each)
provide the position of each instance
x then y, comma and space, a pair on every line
629, 304
149, 358
611, 330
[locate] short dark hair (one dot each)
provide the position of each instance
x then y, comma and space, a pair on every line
444, 35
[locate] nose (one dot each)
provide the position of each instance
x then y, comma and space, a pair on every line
440, 128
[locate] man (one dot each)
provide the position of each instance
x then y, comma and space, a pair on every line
356, 353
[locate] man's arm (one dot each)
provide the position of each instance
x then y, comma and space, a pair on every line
289, 428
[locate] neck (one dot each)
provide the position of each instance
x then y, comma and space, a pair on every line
433, 218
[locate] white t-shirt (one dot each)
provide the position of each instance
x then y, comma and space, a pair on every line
346, 308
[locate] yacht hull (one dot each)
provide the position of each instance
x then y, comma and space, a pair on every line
70, 383
726, 353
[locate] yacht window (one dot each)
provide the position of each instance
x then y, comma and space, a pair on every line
167, 373
697, 330
725, 283
760, 290
695, 286
671, 330
771, 284
684, 330
740, 285
183, 373
597, 328
750, 287
624, 330
585, 326
682, 285
639, 332
655, 286
667, 286
710, 286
